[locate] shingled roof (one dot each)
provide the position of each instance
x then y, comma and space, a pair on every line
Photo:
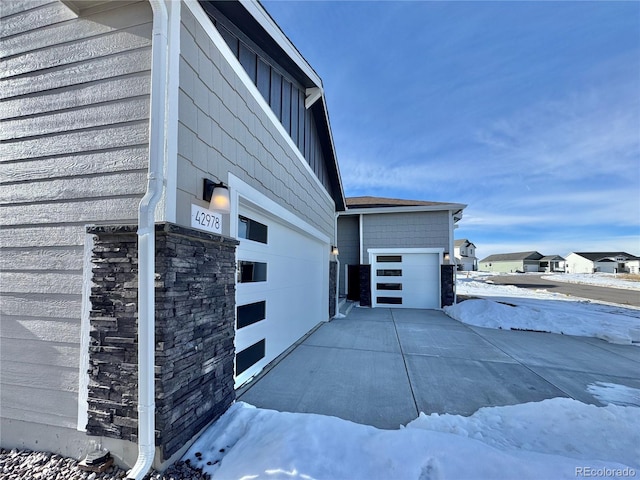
599, 256
513, 257
381, 202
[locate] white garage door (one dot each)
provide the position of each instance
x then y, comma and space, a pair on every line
280, 289
405, 278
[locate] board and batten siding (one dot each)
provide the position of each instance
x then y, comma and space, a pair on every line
74, 103
223, 129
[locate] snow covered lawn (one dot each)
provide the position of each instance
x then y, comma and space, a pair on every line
507, 306
559, 438
601, 279
554, 439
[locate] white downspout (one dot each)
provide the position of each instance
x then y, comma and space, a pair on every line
146, 244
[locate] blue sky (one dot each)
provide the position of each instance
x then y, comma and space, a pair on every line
528, 112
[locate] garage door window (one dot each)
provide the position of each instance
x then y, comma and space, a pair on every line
389, 273
252, 230
389, 300
250, 356
251, 313
389, 258
389, 286
251, 271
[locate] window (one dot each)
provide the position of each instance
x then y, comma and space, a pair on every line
252, 230
249, 272
389, 286
390, 300
249, 356
251, 313
389, 258
389, 273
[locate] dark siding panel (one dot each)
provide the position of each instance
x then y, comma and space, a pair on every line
276, 93
231, 40
294, 114
307, 137
301, 121
248, 60
263, 81
286, 105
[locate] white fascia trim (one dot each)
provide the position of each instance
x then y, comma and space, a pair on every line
448, 207
401, 250
85, 328
240, 189
258, 12
204, 21
169, 212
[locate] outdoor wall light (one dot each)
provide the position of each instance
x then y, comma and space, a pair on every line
217, 194
334, 250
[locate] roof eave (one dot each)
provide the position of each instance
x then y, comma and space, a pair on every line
456, 208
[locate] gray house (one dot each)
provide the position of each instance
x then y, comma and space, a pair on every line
399, 253
521, 262
131, 305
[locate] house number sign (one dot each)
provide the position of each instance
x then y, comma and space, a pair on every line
205, 219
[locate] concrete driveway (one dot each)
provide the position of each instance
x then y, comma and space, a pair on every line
382, 367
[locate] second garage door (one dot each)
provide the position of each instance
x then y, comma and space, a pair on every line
405, 278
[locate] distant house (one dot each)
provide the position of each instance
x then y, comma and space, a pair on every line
511, 262
606, 262
552, 263
465, 253
521, 262
396, 252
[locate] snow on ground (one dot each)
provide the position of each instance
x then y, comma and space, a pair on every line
553, 439
558, 438
507, 306
601, 279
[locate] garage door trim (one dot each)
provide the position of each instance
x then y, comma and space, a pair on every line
433, 298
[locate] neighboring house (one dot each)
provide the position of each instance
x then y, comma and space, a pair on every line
393, 252
606, 262
521, 262
511, 262
114, 117
552, 263
465, 253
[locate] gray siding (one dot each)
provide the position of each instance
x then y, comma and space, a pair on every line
406, 230
348, 245
222, 129
74, 112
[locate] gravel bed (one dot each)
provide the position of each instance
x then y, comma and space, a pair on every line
25, 464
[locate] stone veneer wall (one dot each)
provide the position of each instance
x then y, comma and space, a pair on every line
447, 285
195, 315
365, 285
333, 284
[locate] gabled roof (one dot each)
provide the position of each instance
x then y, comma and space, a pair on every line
461, 242
600, 256
553, 258
513, 257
